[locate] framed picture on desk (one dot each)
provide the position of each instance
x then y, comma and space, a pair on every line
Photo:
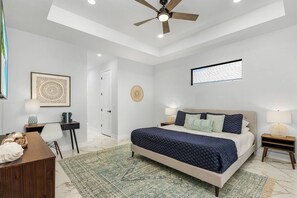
51, 90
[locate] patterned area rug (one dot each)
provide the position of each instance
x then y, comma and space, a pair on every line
114, 173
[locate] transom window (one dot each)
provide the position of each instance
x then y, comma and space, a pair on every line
227, 71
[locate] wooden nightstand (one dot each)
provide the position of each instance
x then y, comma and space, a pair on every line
279, 143
165, 123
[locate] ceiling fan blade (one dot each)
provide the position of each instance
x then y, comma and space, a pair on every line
166, 28
172, 4
142, 22
143, 2
184, 16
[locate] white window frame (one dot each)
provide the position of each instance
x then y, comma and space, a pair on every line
212, 66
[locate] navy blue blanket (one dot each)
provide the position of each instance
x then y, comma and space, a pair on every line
210, 153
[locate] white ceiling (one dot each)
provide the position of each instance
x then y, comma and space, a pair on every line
120, 15
108, 26
93, 60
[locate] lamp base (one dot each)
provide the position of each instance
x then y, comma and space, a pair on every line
278, 130
32, 120
279, 134
170, 119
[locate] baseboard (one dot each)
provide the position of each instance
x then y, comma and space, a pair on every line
94, 129
123, 137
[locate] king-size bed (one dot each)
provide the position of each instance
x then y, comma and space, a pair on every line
212, 157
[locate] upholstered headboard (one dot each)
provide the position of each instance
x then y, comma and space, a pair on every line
250, 116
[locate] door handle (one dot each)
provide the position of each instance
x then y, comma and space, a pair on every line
109, 111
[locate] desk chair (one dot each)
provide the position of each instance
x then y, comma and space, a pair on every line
50, 134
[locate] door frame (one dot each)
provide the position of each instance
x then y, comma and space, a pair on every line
111, 102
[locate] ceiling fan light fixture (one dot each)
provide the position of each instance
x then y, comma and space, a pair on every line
165, 13
163, 17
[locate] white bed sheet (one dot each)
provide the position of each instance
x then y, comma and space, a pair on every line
242, 141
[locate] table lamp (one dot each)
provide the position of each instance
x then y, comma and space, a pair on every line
170, 112
279, 118
32, 107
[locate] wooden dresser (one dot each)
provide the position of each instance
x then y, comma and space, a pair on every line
33, 175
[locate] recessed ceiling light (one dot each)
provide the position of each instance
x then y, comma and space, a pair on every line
92, 2
99, 55
160, 35
236, 1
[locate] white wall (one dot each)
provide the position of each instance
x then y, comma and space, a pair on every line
132, 115
269, 79
93, 81
94, 90
32, 53
127, 115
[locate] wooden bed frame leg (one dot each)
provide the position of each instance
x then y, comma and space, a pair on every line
132, 154
217, 189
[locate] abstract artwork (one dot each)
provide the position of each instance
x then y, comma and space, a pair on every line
51, 90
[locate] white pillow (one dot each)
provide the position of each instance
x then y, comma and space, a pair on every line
244, 124
218, 122
245, 130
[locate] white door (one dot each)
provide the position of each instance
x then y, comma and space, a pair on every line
106, 103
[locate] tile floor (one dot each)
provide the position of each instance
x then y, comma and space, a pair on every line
282, 172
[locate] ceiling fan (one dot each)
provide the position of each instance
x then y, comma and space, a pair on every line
164, 14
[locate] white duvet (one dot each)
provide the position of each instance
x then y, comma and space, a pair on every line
242, 141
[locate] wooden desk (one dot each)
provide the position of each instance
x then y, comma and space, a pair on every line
32, 175
71, 126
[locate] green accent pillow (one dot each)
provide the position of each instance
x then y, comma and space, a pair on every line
190, 120
202, 125
218, 122
194, 122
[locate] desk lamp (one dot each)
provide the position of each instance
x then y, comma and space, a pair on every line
32, 107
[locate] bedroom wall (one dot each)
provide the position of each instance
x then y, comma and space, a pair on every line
127, 115
28, 53
269, 79
132, 115
94, 113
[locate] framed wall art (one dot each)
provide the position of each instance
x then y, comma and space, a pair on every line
51, 90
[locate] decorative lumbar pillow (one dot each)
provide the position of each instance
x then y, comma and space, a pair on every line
181, 117
218, 122
202, 125
233, 123
189, 121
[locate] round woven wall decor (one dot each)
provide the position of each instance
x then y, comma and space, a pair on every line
137, 93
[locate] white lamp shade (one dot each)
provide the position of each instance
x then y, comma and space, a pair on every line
170, 111
279, 117
32, 106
